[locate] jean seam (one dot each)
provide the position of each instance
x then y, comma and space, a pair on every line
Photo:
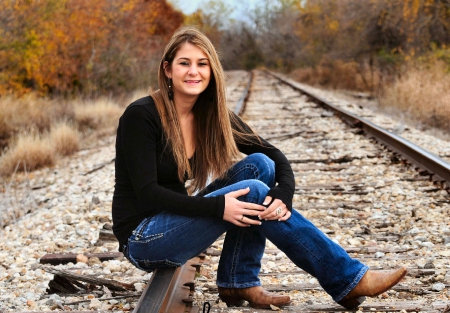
159, 235
352, 284
239, 285
306, 248
236, 253
241, 169
300, 242
141, 228
269, 170
147, 239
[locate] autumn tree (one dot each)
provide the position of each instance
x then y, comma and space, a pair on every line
390, 31
61, 46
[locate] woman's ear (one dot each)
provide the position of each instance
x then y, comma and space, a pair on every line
167, 69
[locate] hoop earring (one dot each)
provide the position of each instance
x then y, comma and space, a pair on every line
170, 93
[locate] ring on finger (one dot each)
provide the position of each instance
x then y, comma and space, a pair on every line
278, 211
242, 217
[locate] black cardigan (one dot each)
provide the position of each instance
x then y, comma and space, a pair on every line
147, 176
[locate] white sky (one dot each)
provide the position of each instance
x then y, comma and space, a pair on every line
189, 6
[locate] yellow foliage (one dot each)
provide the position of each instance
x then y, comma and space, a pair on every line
333, 25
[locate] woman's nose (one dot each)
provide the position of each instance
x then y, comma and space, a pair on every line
193, 70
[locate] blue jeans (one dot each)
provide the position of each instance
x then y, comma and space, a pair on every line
170, 240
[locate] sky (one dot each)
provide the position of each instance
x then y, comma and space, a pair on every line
189, 6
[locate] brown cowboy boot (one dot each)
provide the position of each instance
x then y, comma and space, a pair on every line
258, 297
372, 284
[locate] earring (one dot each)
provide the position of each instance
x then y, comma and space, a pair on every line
170, 93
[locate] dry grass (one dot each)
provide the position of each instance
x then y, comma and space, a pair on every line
423, 94
37, 131
33, 151
29, 114
32, 112
98, 114
65, 138
338, 75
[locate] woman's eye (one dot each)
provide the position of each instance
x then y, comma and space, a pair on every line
203, 64
184, 63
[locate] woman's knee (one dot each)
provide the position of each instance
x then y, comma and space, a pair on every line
258, 191
266, 167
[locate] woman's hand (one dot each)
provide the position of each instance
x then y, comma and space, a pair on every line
237, 212
276, 211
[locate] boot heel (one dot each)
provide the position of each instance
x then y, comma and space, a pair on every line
352, 303
232, 301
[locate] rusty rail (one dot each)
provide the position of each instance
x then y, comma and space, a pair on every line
438, 169
240, 106
170, 290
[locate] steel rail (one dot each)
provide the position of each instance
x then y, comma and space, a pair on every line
169, 289
156, 291
240, 106
438, 169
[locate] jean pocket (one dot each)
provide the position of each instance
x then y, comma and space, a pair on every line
151, 265
144, 239
137, 234
148, 265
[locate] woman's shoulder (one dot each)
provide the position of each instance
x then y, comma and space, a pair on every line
144, 107
145, 103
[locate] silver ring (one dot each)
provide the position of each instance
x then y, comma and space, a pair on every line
242, 217
278, 211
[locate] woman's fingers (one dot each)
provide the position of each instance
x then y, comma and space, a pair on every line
238, 193
253, 209
285, 217
276, 214
277, 211
249, 221
239, 212
273, 210
245, 221
267, 200
279, 214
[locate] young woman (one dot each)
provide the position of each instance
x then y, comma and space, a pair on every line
184, 131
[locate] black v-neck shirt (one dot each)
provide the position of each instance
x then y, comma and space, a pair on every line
147, 176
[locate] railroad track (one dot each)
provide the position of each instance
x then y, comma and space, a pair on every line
339, 188
385, 203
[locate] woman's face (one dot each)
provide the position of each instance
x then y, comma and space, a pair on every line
190, 72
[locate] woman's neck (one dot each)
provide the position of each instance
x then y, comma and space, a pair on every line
184, 106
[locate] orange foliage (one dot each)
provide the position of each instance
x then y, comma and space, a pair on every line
58, 46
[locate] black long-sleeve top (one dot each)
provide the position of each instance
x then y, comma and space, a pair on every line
147, 176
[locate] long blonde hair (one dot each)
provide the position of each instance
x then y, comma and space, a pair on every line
214, 142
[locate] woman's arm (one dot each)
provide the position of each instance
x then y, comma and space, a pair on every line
139, 132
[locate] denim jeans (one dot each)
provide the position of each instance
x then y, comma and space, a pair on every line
170, 240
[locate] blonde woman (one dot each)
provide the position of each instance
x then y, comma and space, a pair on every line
185, 131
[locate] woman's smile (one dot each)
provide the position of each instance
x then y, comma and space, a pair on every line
193, 82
